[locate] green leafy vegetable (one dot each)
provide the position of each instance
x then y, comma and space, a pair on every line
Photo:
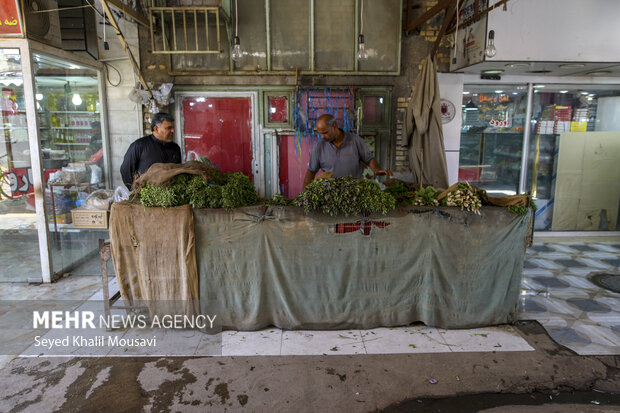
346, 196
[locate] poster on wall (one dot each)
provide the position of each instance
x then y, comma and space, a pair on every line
10, 19
470, 39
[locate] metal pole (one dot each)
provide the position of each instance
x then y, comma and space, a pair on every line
35, 162
526, 139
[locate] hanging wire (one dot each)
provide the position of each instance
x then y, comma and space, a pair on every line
107, 74
362, 18
236, 20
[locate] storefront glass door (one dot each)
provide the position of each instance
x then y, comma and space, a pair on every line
574, 157
69, 118
19, 255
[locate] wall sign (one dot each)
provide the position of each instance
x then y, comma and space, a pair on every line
10, 20
447, 111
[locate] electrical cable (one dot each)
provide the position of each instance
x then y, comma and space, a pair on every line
362, 19
107, 75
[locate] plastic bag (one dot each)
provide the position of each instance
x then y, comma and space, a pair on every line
99, 200
95, 174
121, 194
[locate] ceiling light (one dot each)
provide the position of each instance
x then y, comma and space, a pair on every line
466, 93
490, 50
515, 93
493, 72
76, 99
236, 51
38, 96
539, 85
571, 65
563, 91
584, 93
499, 91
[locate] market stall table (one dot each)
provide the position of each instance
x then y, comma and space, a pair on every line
261, 266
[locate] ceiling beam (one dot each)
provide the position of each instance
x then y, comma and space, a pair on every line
130, 12
120, 36
430, 13
449, 16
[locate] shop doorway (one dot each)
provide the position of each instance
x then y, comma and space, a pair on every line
220, 128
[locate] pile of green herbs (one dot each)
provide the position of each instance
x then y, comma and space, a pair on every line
346, 195
221, 190
522, 210
407, 194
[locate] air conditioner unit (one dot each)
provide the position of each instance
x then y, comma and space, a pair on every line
78, 27
41, 25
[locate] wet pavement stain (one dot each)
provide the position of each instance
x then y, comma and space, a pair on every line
222, 391
242, 399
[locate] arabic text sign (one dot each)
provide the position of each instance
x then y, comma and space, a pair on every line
9, 17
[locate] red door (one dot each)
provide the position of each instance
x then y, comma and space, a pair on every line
219, 128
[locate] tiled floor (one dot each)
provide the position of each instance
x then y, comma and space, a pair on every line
555, 291
558, 294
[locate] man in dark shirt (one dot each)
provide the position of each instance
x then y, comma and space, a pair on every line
155, 148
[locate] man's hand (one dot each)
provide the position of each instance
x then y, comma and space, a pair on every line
384, 172
308, 178
374, 165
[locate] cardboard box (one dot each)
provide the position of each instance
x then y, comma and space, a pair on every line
89, 218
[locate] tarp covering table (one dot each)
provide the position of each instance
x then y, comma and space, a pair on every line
262, 266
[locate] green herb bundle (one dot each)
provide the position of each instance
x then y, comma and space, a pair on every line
346, 196
280, 201
522, 210
464, 197
238, 191
426, 196
221, 191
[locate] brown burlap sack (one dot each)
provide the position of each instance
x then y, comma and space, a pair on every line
162, 173
153, 252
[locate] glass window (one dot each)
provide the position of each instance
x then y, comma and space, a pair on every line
18, 232
290, 34
574, 154
373, 110
492, 137
381, 36
72, 157
334, 25
252, 35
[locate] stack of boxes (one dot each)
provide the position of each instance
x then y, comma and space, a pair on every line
562, 119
